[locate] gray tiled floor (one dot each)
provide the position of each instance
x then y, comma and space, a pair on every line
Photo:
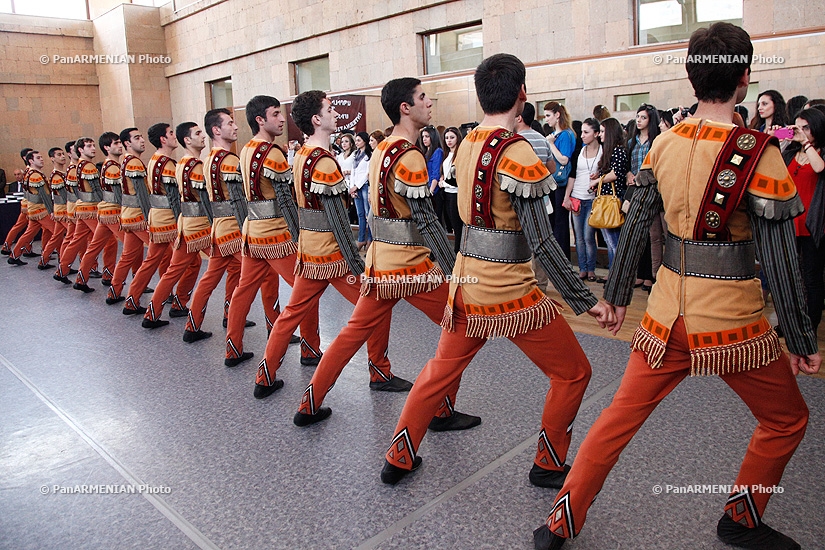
88, 397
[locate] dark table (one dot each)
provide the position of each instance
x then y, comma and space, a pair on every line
9, 212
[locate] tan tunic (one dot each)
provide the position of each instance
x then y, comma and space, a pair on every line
131, 217
163, 227
724, 319
71, 190
57, 181
396, 271
109, 212
86, 172
226, 235
193, 231
500, 299
268, 238
319, 256
32, 182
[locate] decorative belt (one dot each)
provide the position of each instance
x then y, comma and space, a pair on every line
57, 199
33, 198
86, 197
71, 195
396, 231
160, 201
710, 259
109, 196
192, 210
313, 220
222, 209
495, 245
131, 201
263, 210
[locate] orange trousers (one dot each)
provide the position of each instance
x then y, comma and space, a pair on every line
553, 348
28, 236
770, 392
130, 256
182, 262
59, 232
218, 265
305, 296
83, 232
71, 224
369, 314
157, 259
105, 236
264, 274
18, 227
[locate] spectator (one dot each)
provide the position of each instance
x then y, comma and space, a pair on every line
431, 145
795, 104
579, 196
359, 187
562, 142
613, 168
807, 168
452, 139
600, 113
770, 112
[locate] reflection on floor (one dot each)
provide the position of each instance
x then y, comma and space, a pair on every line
89, 398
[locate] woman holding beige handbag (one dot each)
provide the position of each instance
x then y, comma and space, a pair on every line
613, 168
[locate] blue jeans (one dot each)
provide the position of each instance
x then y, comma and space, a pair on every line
611, 238
362, 206
585, 238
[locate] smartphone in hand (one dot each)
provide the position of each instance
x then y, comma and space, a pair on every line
783, 133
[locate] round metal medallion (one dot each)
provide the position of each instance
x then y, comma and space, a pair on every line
386, 162
486, 158
712, 219
307, 174
479, 191
507, 135
746, 142
479, 221
385, 213
254, 164
726, 178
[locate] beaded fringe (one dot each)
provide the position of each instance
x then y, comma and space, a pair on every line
134, 226
195, 245
507, 325
271, 251
37, 216
85, 215
652, 347
320, 272
161, 237
409, 285
109, 219
748, 355
447, 319
231, 247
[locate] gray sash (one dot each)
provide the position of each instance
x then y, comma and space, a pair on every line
396, 231
109, 196
86, 197
263, 210
711, 260
191, 209
495, 245
313, 220
32, 198
222, 209
159, 201
131, 201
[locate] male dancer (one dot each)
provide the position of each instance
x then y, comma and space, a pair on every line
38, 196
221, 171
108, 214
326, 251
133, 212
71, 201
493, 293
23, 218
270, 233
57, 184
727, 196
405, 231
193, 228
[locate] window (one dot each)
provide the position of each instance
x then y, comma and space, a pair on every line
753, 93
453, 50
540, 106
66, 9
220, 93
668, 20
311, 74
631, 102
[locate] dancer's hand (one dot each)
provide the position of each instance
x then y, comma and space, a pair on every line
809, 364
621, 311
604, 314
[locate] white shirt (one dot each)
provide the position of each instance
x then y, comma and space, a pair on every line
445, 171
346, 165
360, 174
585, 167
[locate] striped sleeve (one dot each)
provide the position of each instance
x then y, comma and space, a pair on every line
432, 232
776, 249
645, 204
536, 226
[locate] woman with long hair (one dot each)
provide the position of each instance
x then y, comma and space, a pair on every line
452, 138
804, 158
359, 186
645, 130
375, 138
613, 168
579, 195
771, 112
431, 145
562, 143
345, 158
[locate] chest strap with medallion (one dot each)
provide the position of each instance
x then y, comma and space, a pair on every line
482, 215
